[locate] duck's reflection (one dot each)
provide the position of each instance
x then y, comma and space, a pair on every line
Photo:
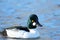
6, 38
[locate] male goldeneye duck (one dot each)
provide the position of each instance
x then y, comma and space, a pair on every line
24, 32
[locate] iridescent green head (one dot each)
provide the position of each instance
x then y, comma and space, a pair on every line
33, 21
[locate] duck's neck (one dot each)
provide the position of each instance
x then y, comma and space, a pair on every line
32, 30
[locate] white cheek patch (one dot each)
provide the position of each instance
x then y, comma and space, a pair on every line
34, 24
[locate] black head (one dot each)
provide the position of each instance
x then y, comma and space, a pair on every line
33, 21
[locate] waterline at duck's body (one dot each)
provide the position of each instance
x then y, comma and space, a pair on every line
15, 33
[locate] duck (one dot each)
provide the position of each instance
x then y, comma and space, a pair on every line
24, 32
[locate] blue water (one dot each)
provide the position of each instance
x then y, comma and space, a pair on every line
16, 12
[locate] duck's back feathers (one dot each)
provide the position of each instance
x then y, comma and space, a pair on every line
23, 28
19, 28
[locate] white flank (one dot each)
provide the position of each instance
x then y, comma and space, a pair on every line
22, 34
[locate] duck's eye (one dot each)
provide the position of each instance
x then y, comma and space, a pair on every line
32, 20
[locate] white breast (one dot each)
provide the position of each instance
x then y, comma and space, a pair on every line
32, 34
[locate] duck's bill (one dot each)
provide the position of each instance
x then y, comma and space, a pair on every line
39, 24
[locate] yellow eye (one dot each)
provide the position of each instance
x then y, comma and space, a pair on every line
32, 20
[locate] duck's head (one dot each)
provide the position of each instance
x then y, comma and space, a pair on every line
33, 21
